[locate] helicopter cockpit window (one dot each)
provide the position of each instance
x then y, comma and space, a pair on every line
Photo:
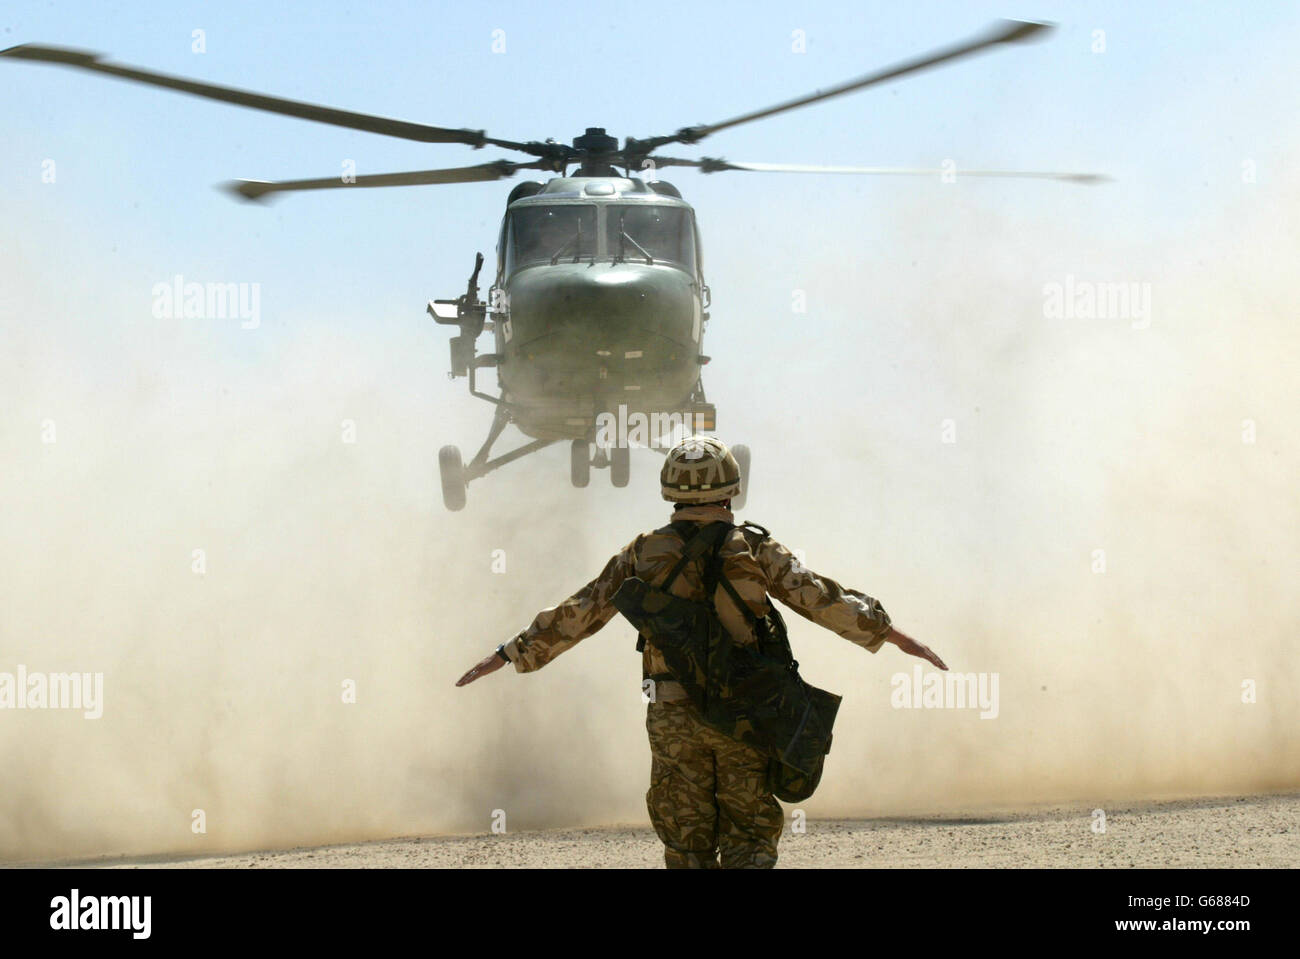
661, 232
541, 234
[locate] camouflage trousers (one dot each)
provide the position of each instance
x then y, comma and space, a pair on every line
708, 794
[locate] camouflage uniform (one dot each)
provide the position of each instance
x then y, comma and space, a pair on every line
708, 793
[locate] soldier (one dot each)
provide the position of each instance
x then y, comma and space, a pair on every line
709, 795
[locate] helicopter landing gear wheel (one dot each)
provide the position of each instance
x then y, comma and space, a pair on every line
579, 463
452, 470
620, 465
741, 453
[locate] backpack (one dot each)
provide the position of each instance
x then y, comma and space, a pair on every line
753, 694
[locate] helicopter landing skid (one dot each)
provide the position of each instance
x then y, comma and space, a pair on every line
456, 477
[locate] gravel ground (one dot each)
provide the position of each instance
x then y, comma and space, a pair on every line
1245, 831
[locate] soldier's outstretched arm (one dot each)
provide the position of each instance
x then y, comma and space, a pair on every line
856, 616
489, 664
561, 627
913, 648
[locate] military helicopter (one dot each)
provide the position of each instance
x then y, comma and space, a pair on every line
599, 303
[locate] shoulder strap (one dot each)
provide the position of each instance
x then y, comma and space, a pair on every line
725, 583
739, 603
705, 538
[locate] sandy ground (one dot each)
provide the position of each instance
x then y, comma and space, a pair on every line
1246, 831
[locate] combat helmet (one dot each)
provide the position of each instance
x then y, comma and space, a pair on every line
699, 469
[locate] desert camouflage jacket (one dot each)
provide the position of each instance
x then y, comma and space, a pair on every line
756, 566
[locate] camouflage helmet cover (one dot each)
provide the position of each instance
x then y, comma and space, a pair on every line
699, 469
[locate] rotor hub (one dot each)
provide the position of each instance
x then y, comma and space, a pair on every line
596, 142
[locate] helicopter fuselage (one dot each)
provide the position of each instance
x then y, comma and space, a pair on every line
598, 304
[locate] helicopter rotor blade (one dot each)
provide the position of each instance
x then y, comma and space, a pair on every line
497, 170
404, 129
712, 165
1005, 31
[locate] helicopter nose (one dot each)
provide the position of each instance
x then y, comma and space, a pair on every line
609, 305
616, 296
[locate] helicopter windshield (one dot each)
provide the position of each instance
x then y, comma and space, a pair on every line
661, 232
539, 234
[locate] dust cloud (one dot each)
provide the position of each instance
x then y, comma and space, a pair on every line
327, 561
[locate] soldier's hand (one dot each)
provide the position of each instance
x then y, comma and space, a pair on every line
490, 664
910, 646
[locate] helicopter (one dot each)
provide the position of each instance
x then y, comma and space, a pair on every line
599, 304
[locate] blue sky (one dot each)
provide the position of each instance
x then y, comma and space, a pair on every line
1181, 94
